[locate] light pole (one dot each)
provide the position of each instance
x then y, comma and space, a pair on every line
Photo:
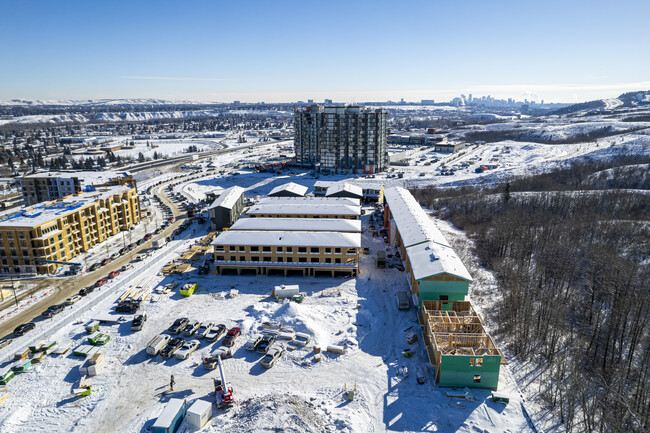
13, 288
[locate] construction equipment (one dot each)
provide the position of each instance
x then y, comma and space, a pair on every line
223, 391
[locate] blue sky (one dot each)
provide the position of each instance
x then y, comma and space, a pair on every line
349, 51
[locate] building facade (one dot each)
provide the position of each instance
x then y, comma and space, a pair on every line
348, 139
35, 237
49, 186
306, 253
227, 208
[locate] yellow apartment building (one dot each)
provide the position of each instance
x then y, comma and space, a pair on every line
60, 230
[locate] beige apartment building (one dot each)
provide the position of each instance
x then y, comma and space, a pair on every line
32, 239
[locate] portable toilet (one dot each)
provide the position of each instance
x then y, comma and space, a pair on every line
171, 417
199, 413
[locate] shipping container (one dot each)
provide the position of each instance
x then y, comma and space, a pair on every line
199, 413
157, 344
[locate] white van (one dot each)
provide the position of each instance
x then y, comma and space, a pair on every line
157, 344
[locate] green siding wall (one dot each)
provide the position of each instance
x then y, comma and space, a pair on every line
456, 371
432, 290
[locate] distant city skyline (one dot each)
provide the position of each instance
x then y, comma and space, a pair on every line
255, 51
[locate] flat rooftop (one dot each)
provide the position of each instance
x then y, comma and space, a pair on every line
308, 201
89, 177
40, 213
289, 238
299, 224
304, 209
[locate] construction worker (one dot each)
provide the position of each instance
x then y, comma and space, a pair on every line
171, 383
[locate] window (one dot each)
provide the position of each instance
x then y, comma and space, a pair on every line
255, 259
280, 260
328, 250
231, 248
302, 249
267, 259
279, 249
255, 249
242, 258
289, 259
302, 260
289, 249
314, 249
266, 249
444, 297
337, 250
477, 378
25, 253
315, 260
242, 248
233, 258
337, 260
328, 260
220, 258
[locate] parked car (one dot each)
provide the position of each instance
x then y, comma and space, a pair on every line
94, 267
5, 341
114, 256
216, 332
138, 322
266, 343
127, 306
187, 349
191, 328
86, 290
204, 329
106, 261
148, 236
126, 267
53, 310
252, 342
224, 352
72, 299
113, 274
231, 336
101, 282
24, 328
172, 347
271, 356
178, 325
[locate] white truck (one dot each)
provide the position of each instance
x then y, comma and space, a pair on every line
159, 243
157, 344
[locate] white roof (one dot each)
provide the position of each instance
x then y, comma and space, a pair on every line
344, 187
169, 412
228, 197
199, 406
298, 224
288, 238
290, 187
40, 213
311, 200
413, 223
430, 259
303, 209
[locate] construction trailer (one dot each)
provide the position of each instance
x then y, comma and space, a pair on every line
199, 413
460, 351
171, 417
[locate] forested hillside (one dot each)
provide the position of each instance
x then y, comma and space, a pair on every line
572, 258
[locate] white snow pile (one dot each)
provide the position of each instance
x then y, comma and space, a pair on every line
275, 412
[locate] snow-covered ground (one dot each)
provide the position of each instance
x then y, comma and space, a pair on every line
297, 394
